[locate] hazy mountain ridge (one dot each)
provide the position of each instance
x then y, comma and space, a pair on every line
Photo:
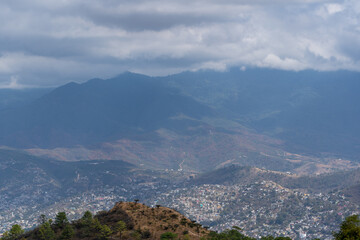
312, 112
12, 98
97, 111
290, 121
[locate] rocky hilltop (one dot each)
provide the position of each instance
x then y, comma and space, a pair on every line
158, 220
126, 220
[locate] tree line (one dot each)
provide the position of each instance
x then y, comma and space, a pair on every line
89, 227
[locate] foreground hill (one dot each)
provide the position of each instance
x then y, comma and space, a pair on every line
137, 221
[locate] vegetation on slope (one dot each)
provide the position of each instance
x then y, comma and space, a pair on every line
137, 221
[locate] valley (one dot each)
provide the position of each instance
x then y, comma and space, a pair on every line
223, 148
261, 202
180, 120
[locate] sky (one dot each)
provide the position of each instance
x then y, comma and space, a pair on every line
51, 42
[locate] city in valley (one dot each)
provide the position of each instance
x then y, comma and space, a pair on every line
259, 208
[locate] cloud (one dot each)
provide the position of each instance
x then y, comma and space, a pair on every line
12, 84
334, 8
48, 42
274, 61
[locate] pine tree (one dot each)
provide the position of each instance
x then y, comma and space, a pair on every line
46, 232
105, 232
67, 233
16, 231
87, 219
349, 229
120, 227
13, 233
61, 220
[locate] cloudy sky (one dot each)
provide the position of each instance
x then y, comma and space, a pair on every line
51, 42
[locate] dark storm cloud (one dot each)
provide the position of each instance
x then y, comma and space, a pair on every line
140, 21
48, 42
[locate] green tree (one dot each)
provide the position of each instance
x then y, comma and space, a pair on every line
5, 236
105, 232
61, 220
349, 229
168, 235
120, 227
96, 225
186, 237
67, 233
136, 235
46, 232
87, 219
13, 233
16, 231
86, 223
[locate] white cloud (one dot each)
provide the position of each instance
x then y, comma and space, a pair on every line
274, 61
12, 84
52, 42
334, 8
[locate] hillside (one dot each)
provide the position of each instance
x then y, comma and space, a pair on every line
353, 192
264, 202
14, 98
159, 220
302, 122
312, 183
135, 221
98, 111
311, 112
141, 222
243, 196
30, 184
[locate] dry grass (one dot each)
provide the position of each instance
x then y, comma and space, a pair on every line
159, 220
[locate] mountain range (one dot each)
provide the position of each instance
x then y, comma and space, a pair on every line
279, 120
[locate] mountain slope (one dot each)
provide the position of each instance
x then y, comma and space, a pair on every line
27, 180
141, 222
12, 98
312, 112
98, 111
290, 121
309, 183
